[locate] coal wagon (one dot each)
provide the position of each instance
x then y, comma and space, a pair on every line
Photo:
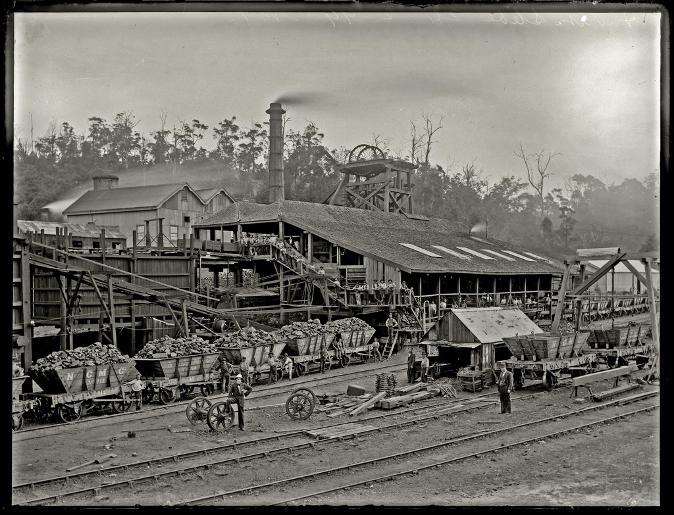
169, 378
546, 356
70, 393
617, 346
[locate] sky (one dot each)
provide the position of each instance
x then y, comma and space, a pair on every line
585, 86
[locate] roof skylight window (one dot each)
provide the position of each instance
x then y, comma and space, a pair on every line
420, 250
475, 253
498, 255
451, 252
518, 255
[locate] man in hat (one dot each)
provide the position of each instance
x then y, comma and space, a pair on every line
411, 360
273, 366
237, 392
225, 369
391, 324
505, 386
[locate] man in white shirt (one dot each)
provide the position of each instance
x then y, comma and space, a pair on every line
137, 390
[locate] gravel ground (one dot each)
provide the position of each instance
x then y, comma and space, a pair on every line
571, 470
328, 455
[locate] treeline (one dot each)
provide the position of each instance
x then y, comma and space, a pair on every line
584, 213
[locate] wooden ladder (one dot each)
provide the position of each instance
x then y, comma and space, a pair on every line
390, 345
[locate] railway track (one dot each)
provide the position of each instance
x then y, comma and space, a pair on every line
423, 414
265, 392
422, 464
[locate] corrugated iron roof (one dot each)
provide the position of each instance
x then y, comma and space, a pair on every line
490, 325
132, 198
378, 234
81, 230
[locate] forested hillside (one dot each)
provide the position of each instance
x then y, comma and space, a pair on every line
584, 213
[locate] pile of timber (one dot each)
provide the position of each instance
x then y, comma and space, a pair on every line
386, 383
355, 405
339, 407
403, 400
446, 390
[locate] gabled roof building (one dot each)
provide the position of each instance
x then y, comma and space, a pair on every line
160, 214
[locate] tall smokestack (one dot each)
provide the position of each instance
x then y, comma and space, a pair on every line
276, 185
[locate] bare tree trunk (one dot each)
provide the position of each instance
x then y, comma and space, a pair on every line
429, 130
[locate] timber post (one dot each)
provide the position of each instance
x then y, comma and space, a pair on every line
133, 264
655, 328
111, 302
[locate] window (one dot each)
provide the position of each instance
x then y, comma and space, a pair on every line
186, 219
493, 252
96, 244
474, 253
173, 234
518, 255
140, 234
450, 252
183, 195
77, 244
420, 250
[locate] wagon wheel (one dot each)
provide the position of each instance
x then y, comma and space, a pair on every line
548, 380
17, 421
518, 379
197, 410
611, 361
120, 406
220, 416
206, 389
148, 393
69, 413
166, 395
300, 405
621, 361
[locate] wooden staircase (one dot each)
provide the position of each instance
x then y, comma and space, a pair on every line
390, 345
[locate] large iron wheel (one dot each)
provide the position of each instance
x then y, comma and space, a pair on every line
300, 405
365, 152
69, 413
220, 416
197, 410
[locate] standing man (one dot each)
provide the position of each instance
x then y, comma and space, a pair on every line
391, 324
237, 392
375, 349
137, 391
272, 368
424, 367
224, 367
505, 386
411, 359
288, 365
243, 371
